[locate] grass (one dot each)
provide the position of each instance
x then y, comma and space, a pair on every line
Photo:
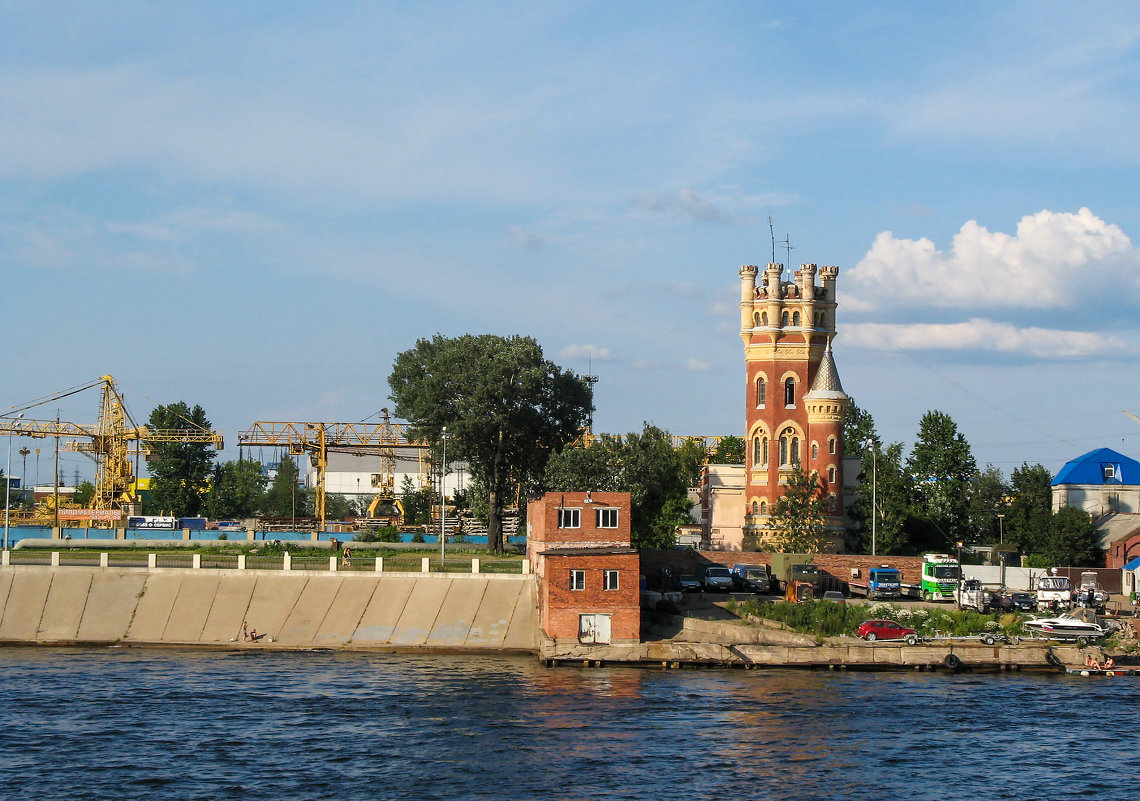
828, 619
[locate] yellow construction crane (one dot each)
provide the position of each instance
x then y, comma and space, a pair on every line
318, 440
110, 442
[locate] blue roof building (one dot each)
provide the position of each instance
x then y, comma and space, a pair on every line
1102, 466
1106, 484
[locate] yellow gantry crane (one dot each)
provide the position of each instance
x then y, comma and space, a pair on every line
110, 442
381, 439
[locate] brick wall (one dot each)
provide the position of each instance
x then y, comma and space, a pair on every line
560, 606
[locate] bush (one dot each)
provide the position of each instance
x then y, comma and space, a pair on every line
418, 537
385, 534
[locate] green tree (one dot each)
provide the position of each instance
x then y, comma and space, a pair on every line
504, 406
800, 515
594, 468
416, 503
692, 456
730, 450
942, 467
884, 481
237, 490
338, 507
180, 471
83, 494
858, 427
1072, 539
986, 500
285, 497
1030, 512
643, 464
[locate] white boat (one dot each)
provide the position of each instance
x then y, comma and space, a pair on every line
1065, 627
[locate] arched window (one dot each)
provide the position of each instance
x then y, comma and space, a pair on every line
764, 453
761, 392
831, 445
795, 318
831, 475
784, 319
815, 450
756, 320
755, 508
763, 507
795, 450
757, 454
789, 447
763, 318
790, 392
783, 450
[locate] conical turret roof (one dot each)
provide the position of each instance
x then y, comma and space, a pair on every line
826, 384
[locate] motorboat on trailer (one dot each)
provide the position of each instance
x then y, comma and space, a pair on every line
1065, 627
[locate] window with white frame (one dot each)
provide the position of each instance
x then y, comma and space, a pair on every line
569, 518
609, 579
606, 518
577, 579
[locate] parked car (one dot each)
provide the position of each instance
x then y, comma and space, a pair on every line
689, 583
872, 630
1023, 601
835, 596
718, 579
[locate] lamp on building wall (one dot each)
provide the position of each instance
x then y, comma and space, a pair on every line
8, 483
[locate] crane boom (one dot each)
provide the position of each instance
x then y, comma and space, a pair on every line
381, 439
109, 440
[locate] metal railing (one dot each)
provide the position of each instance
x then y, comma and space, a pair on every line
359, 564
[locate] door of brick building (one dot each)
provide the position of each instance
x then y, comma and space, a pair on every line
594, 629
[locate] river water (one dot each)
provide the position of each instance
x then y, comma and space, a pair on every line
121, 724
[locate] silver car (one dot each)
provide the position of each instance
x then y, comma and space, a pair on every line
718, 579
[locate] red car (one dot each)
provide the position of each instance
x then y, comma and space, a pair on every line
872, 630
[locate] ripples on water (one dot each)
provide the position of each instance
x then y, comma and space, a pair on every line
151, 724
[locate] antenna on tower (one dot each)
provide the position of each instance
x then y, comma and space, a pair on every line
772, 232
787, 245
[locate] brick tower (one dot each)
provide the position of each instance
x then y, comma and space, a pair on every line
794, 400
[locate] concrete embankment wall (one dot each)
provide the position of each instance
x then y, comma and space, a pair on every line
469, 612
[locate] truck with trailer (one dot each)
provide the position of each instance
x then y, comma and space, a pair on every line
940, 575
879, 582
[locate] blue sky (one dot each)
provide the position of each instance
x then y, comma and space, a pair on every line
255, 206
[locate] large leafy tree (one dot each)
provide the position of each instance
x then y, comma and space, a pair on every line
885, 482
1030, 511
985, 501
285, 497
858, 427
643, 464
942, 467
692, 457
237, 490
180, 471
1072, 539
730, 450
800, 515
504, 406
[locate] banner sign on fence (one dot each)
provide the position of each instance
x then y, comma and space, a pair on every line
104, 515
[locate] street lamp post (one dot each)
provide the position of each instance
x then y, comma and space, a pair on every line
1001, 541
874, 492
8, 483
442, 498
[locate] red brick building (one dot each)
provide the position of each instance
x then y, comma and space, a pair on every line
794, 400
578, 544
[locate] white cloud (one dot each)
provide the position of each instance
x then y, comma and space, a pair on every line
986, 336
694, 365
585, 351
1056, 259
